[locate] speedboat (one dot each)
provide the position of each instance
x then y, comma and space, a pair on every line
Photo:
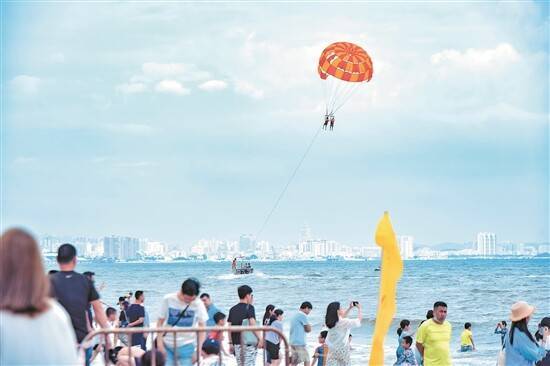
241, 267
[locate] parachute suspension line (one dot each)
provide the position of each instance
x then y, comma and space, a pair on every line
340, 94
334, 95
329, 89
347, 97
288, 182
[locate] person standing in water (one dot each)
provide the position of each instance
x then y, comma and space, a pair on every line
502, 330
433, 337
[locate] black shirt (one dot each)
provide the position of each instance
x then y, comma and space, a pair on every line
74, 292
134, 312
236, 316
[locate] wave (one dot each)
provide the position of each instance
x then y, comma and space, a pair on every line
231, 276
278, 277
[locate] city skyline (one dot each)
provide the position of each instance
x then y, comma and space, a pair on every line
173, 122
306, 246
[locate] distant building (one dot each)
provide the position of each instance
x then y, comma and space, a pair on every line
406, 246
264, 249
50, 243
154, 248
120, 247
305, 233
486, 244
372, 251
247, 244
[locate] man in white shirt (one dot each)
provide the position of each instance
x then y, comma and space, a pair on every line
182, 309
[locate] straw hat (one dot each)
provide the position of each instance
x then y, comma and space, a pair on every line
521, 310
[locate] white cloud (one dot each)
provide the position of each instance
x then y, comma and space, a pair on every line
476, 59
213, 85
179, 71
171, 86
131, 88
129, 128
248, 89
26, 84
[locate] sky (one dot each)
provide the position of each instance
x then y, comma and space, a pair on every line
182, 121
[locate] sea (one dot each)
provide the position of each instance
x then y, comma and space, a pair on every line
479, 291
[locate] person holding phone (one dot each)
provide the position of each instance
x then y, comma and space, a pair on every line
339, 326
520, 346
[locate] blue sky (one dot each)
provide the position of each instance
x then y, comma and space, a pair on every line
183, 121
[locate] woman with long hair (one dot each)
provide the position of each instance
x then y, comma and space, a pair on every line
272, 339
403, 331
35, 329
339, 327
519, 344
267, 315
266, 321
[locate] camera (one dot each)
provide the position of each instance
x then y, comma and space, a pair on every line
355, 303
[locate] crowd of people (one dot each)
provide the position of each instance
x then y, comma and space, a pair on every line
433, 337
44, 313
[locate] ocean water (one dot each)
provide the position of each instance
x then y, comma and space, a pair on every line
476, 291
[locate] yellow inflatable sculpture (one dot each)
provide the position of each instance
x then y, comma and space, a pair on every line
390, 273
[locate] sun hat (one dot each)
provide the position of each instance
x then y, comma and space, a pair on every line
521, 310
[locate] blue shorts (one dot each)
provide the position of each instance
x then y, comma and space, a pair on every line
184, 354
467, 348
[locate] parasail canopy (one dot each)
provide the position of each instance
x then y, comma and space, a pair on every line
343, 65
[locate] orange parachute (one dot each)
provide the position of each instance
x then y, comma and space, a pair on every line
343, 66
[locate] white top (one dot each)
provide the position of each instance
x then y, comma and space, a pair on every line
170, 310
338, 337
45, 339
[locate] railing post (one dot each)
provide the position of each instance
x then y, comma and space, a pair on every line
130, 341
263, 350
242, 349
198, 349
154, 349
175, 354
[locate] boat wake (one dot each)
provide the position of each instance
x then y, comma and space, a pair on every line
257, 274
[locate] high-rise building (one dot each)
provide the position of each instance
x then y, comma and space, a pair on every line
120, 247
305, 233
486, 244
50, 243
406, 246
247, 244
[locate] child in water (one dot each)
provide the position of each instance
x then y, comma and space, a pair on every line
407, 357
321, 351
467, 339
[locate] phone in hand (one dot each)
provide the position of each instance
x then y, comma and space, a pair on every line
354, 303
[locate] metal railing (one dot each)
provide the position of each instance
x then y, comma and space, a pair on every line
156, 332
